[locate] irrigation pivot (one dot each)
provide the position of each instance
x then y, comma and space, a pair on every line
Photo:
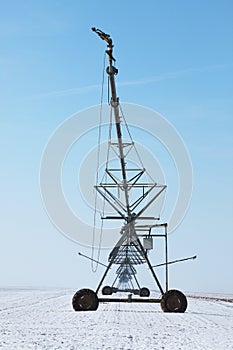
138, 230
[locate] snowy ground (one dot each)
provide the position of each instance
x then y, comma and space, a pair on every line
44, 319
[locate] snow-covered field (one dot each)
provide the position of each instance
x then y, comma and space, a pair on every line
44, 319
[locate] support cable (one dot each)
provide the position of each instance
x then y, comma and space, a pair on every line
130, 136
94, 268
109, 138
133, 145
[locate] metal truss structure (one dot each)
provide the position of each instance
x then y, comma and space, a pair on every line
136, 238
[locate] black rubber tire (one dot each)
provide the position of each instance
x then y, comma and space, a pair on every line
173, 301
85, 300
144, 292
107, 290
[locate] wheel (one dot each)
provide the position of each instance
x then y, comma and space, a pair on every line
85, 300
107, 290
174, 301
144, 292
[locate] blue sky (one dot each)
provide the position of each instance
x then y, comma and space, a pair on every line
174, 57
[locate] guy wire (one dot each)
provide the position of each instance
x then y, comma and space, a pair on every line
94, 268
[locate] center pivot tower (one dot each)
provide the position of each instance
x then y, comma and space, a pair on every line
137, 236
